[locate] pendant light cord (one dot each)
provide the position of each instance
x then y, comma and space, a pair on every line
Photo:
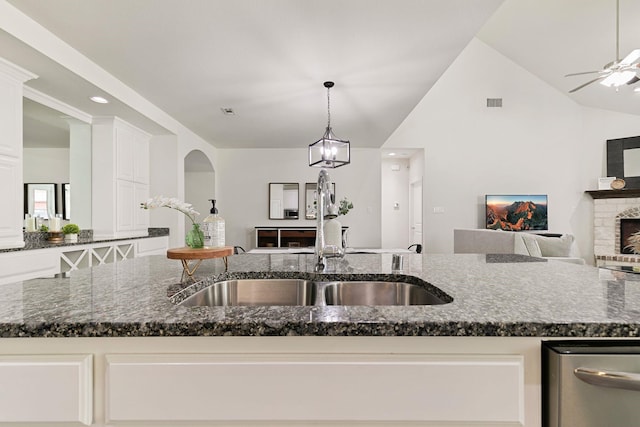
617, 30
328, 109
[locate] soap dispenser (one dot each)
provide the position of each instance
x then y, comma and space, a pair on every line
213, 228
333, 229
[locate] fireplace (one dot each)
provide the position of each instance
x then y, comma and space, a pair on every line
612, 208
628, 226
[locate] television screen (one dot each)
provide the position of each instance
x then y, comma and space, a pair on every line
516, 212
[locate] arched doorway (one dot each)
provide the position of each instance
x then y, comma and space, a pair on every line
199, 183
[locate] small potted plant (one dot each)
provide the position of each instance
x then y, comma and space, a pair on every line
71, 232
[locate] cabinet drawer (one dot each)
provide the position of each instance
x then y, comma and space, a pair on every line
327, 388
46, 389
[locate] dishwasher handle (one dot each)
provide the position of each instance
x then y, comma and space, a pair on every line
612, 379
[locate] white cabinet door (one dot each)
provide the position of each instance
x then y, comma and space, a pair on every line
465, 390
125, 195
141, 216
124, 153
46, 389
141, 159
11, 90
11, 213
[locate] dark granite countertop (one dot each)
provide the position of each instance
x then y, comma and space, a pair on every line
493, 295
38, 240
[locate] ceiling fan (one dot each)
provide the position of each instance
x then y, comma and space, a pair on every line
618, 72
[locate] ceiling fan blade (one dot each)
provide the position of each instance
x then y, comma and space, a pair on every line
634, 80
630, 58
586, 84
585, 72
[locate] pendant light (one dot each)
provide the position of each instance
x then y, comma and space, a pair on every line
329, 151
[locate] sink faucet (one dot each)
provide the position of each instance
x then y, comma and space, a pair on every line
325, 205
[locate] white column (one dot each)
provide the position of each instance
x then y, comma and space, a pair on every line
80, 173
12, 79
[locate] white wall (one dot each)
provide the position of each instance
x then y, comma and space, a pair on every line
163, 180
46, 165
540, 141
395, 189
244, 175
199, 188
80, 175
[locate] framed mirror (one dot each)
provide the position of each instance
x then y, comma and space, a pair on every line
310, 197
66, 201
623, 160
283, 200
40, 200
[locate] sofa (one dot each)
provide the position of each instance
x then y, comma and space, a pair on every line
552, 247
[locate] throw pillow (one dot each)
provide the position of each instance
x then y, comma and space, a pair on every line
555, 246
531, 244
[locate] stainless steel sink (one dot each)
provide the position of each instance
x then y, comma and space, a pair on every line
379, 293
300, 292
255, 292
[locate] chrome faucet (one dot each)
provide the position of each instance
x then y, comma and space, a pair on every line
325, 205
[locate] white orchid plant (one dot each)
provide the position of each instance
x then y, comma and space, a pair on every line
172, 203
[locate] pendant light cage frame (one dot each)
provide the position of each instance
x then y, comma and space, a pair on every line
329, 151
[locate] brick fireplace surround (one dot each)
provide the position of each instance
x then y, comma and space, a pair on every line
608, 208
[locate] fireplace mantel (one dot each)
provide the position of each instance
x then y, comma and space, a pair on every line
614, 194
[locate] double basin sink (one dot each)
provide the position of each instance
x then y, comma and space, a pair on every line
302, 292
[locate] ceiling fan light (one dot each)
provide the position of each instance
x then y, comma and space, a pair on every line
618, 78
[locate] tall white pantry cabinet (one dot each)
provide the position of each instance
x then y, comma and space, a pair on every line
12, 79
120, 179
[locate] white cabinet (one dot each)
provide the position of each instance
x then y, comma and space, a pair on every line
152, 246
304, 381
12, 78
124, 153
24, 265
12, 196
46, 389
140, 216
125, 202
120, 173
31, 264
141, 157
347, 388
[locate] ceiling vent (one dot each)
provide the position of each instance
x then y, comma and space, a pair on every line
494, 102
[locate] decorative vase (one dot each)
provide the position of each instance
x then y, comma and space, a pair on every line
71, 237
195, 237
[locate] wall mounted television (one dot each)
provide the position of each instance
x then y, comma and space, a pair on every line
516, 212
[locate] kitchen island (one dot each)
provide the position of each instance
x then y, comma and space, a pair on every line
141, 358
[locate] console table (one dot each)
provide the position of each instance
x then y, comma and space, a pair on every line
286, 237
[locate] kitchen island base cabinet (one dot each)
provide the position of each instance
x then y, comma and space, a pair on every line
46, 389
328, 388
299, 380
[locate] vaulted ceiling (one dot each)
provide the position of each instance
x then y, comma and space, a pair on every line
267, 59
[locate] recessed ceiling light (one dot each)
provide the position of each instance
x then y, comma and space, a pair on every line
99, 100
228, 111
392, 154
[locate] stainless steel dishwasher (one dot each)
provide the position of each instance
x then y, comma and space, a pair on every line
591, 383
